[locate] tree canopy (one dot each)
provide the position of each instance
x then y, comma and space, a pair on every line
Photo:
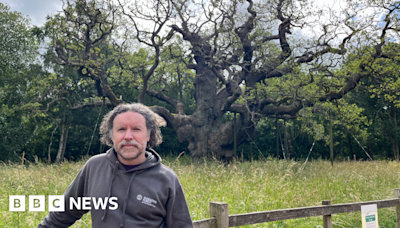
216, 69
18, 71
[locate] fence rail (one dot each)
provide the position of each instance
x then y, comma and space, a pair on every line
220, 218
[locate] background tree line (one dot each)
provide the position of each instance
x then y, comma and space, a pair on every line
260, 79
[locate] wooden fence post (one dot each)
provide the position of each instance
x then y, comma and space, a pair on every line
397, 195
327, 218
221, 213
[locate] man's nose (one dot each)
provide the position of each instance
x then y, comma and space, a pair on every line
128, 134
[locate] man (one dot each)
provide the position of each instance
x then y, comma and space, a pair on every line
148, 193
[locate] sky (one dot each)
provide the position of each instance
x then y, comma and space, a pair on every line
37, 10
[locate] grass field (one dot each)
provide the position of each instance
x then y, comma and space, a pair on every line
245, 186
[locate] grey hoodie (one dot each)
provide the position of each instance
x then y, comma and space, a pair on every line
149, 195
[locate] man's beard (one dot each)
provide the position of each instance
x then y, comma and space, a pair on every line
129, 153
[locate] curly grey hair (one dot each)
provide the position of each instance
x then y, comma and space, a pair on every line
107, 124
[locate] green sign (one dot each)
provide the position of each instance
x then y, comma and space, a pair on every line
370, 218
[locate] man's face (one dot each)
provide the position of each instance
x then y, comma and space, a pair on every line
130, 137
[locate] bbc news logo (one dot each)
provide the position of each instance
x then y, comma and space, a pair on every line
57, 203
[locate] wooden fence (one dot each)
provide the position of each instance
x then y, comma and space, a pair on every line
220, 218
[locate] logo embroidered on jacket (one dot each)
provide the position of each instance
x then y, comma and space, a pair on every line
148, 201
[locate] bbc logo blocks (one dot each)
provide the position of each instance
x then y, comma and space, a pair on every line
17, 203
36, 203
56, 203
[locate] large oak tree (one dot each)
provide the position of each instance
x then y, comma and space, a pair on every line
258, 59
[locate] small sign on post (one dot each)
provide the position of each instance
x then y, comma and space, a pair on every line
369, 216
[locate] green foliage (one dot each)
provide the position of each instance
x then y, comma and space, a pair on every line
348, 116
378, 95
18, 45
385, 72
18, 73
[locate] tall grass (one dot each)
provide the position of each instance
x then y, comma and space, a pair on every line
245, 186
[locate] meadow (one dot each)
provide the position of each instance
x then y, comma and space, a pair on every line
247, 186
